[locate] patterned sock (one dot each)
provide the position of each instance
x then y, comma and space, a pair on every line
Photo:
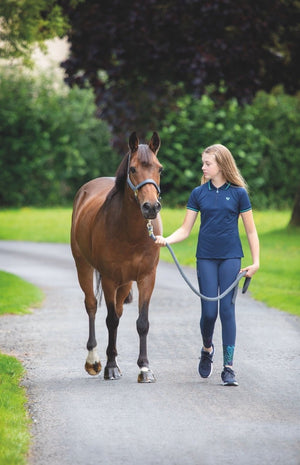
228, 352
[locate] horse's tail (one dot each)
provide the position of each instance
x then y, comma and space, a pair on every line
98, 288
99, 291
129, 298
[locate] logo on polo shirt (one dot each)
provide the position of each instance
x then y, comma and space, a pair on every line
227, 198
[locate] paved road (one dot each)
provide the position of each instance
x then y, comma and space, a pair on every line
180, 420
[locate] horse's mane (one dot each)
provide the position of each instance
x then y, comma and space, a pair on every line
144, 157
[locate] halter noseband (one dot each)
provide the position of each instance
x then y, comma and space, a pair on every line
141, 184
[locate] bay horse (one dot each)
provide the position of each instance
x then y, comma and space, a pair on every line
109, 236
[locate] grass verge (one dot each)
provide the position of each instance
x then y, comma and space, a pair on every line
36, 224
14, 420
16, 297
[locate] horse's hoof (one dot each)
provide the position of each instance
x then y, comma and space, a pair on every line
112, 373
146, 376
93, 369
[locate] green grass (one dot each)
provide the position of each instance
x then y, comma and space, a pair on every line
14, 420
276, 283
17, 295
36, 224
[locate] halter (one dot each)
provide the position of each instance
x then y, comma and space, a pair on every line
141, 184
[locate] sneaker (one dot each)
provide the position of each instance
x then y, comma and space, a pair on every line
206, 363
228, 377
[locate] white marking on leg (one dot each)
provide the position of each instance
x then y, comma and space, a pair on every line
93, 356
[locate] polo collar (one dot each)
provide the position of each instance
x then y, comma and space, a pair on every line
211, 187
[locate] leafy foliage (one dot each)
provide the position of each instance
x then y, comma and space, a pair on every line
51, 141
139, 56
25, 22
277, 115
263, 137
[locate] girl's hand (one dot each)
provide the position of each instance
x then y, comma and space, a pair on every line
161, 241
251, 270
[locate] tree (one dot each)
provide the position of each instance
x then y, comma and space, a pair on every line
24, 23
139, 56
295, 219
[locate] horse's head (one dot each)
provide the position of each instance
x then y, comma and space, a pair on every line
143, 174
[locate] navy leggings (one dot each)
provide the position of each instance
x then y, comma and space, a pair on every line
214, 277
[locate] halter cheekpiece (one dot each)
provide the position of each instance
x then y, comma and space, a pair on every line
141, 184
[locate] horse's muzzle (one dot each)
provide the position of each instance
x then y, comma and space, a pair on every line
150, 210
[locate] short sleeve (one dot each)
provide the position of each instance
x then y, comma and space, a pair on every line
244, 203
193, 203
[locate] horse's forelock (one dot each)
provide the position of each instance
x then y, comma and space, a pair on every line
145, 154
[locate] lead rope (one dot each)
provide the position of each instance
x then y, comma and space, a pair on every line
212, 299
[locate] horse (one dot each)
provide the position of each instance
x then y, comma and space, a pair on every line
109, 238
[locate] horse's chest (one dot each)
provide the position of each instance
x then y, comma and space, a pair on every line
126, 265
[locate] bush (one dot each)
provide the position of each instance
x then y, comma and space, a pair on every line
263, 138
277, 116
51, 141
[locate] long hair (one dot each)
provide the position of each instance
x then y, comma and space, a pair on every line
226, 164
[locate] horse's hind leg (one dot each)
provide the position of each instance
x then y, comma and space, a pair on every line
85, 276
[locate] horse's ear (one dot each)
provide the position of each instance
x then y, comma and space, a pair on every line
154, 143
133, 142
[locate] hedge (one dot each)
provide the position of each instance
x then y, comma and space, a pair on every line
264, 138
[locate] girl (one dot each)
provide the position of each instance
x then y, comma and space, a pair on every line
221, 198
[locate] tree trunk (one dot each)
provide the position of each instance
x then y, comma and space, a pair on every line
295, 219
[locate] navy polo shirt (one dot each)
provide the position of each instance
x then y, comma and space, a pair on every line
220, 209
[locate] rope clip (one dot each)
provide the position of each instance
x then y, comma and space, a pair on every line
150, 228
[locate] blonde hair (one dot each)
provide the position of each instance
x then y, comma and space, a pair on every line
226, 164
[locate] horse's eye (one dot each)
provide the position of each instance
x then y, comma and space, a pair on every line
132, 169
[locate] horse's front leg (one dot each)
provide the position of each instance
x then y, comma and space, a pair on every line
142, 324
114, 302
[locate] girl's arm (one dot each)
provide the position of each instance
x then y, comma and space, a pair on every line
253, 240
181, 233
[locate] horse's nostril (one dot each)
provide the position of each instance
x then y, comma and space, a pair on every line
150, 210
146, 206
